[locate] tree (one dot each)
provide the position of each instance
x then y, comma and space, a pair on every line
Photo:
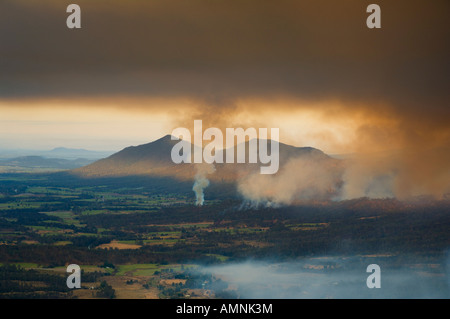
106, 291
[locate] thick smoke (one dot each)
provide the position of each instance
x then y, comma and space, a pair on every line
331, 278
201, 182
302, 178
366, 85
308, 178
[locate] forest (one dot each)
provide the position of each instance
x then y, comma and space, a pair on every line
50, 223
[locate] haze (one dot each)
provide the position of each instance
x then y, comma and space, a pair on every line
137, 70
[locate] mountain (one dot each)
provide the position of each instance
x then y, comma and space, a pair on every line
56, 153
42, 162
154, 159
75, 153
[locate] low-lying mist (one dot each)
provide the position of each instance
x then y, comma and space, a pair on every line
333, 277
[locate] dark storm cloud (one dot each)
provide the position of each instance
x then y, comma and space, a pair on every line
220, 50
391, 83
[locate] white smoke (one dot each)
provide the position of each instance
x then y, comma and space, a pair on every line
310, 177
201, 182
331, 277
303, 178
367, 177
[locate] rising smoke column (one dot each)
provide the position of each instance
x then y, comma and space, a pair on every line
201, 182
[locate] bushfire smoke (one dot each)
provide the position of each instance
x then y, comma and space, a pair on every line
201, 182
311, 68
330, 277
374, 176
301, 178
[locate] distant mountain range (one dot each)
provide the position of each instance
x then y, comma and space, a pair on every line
72, 153
61, 158
56, 153
154, 159
39, 164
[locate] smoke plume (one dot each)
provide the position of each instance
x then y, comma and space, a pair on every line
376, 176
311, 68
304, 178
201, 182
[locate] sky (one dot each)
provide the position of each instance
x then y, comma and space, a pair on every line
138, 69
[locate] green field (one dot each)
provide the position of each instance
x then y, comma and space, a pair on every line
147, 244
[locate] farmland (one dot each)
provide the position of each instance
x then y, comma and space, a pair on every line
145, 242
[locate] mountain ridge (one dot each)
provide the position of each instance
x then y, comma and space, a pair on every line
154, 159
34, 161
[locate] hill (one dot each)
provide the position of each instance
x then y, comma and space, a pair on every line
56, 153
75, 153
39, 162
154, 159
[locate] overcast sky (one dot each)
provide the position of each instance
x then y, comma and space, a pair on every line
137, 69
